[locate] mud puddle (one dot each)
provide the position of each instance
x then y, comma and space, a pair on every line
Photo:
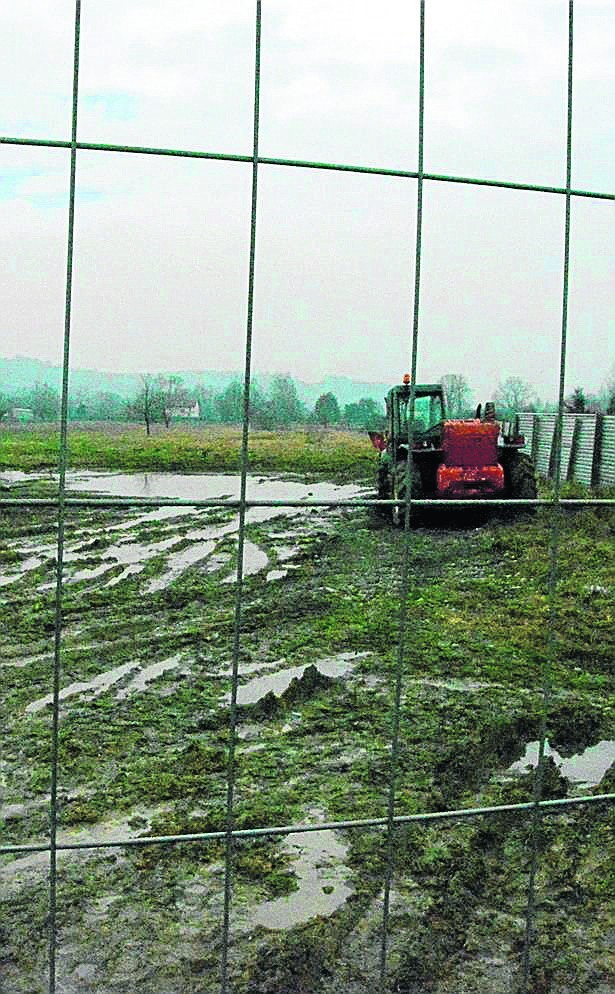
134, 555
92, 688
32, 867
104, 681
254, 561
322, 876
277, 683
205, 486
276, 574
587, 767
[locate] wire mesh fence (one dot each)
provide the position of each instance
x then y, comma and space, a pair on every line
390, 819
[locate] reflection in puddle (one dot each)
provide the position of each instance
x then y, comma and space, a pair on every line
255, 690
586, 767
322, 878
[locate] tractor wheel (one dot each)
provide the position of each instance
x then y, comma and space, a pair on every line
385, 489
521, 478
399, 492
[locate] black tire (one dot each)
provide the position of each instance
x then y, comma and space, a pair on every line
521, 478
385, 491
399, 492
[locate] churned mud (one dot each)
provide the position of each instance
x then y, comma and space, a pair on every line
145, 686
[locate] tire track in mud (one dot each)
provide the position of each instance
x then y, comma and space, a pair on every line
458, 893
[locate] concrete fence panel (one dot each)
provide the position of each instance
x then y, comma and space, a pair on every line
588, 446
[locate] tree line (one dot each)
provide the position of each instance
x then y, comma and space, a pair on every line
164, 399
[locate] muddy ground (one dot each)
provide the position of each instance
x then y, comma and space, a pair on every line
147, 639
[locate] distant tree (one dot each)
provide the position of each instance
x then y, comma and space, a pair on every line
261, 409
207, 404
576, 403
327, 410
174, 394
514, 394
229, 403
5, 404
366, 413
607, 393
44, 402
457, 394
148, 405
79, 405
107, 406
286, 408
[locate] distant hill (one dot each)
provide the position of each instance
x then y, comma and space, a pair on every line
22, 373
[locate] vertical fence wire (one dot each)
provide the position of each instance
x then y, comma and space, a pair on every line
405, 567
230, 772
62, 460
554, 544
554, 530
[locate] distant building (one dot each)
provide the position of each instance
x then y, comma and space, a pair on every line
190, 411
21, 414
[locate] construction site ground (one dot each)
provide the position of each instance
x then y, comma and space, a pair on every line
146, 663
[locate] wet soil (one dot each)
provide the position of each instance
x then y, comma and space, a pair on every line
144, 711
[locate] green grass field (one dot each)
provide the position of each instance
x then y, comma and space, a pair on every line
211, 448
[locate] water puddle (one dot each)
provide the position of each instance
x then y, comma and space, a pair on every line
276, 574
16, 873
104, 681
145, 676
254, 560
98, 685
204, 486
134, 555
245, 668
255, 690
177, 562
319, 864
10, 476
26, 566
248, 732
587, 767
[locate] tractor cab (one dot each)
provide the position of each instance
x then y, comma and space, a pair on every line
423, 418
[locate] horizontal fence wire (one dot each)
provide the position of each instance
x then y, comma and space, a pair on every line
308, 164
539, 807
128, 502
551, 806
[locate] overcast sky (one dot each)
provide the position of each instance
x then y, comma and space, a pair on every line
161, 247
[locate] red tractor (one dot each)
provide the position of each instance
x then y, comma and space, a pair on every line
451, 458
